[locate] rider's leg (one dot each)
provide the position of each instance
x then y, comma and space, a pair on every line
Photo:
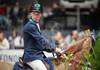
37, 65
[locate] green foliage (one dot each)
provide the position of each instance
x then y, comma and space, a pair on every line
66, 60
91, 60
96, 47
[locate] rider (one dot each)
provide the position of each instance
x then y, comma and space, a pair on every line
34, 41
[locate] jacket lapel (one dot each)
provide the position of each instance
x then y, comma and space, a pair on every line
34, 23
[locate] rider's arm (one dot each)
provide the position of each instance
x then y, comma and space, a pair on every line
44, 43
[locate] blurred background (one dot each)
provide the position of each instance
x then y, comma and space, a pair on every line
60, 18
62, 14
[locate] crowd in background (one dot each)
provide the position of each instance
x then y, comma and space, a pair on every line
13, 17
12, 42
15, 41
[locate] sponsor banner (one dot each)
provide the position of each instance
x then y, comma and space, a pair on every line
10, 56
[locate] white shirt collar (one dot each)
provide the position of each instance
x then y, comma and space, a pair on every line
38, 26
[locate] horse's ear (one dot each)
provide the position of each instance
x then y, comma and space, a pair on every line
87, 33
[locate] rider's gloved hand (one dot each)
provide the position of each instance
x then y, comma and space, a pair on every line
59, 53
58, 50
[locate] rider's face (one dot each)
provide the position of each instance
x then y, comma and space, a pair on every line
36, 16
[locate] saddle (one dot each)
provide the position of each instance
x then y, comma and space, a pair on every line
24, 65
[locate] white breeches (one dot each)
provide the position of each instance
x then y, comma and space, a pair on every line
37, 65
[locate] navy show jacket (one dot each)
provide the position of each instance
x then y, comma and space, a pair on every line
34, 43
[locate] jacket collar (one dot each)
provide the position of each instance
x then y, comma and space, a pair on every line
35, 23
